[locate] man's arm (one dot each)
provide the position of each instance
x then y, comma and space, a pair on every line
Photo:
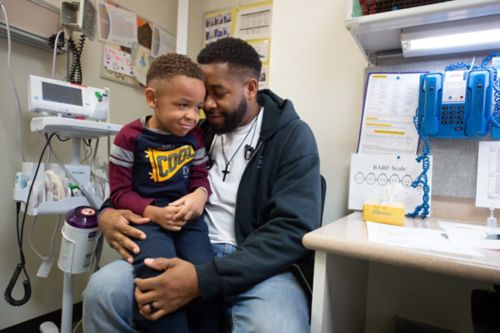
292, 209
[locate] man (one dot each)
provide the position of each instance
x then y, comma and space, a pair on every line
266, 195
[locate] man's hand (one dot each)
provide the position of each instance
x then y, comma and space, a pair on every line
191, 205
115, 226
169, 291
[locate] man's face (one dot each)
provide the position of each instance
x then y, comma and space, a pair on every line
226, 103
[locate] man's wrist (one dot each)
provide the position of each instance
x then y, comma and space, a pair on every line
101, 213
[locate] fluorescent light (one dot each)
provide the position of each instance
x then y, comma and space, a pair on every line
460, 36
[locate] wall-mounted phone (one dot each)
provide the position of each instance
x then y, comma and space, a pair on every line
456, 104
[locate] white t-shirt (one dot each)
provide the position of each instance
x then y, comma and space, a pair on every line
220, 208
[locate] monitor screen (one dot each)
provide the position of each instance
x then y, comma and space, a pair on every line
61, 94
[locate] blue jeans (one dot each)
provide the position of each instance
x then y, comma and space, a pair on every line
191, 244
277, 304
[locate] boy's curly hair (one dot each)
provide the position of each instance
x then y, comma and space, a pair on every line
238, 54
169, 65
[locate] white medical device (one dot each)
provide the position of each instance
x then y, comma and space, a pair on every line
67, 99
79, 240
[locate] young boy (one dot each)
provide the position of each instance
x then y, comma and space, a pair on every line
158, 169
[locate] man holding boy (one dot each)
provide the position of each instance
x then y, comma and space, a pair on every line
265, 196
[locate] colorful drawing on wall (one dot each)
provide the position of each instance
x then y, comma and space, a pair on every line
129, 43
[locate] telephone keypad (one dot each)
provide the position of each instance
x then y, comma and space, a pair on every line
452, 115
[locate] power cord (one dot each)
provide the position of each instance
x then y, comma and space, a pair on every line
57, 48
13, 82
21, 267
76, 75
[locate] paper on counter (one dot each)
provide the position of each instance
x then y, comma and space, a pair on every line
471, 235
423, 239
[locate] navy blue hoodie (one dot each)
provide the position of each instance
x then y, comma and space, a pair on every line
278, 201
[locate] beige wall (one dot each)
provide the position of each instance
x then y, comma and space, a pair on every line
126, 104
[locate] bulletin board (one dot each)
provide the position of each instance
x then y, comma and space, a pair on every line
130, 42
251, 23
454, 161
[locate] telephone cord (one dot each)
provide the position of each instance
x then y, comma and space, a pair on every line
422, 210
496, 89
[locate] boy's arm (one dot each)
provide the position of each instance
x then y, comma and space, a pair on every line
121, 163
198, 176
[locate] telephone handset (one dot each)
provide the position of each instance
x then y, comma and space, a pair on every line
455, 104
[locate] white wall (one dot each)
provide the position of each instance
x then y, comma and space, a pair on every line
126, 104
316, 64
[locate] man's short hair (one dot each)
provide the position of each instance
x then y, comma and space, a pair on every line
169, 65
238, 54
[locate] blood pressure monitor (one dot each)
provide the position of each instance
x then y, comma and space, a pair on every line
70, 100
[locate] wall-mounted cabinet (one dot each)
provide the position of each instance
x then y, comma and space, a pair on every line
379, 34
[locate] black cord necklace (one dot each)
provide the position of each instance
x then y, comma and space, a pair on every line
228, 162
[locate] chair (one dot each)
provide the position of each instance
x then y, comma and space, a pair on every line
304, 274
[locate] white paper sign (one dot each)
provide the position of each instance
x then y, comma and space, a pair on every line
371, 175
488, 175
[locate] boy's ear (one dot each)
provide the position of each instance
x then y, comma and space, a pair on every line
150, 95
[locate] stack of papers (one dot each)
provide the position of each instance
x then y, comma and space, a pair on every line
456, 238
476, 236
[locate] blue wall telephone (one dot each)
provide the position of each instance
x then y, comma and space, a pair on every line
455, 104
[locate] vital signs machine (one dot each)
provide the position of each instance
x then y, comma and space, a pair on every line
76, 112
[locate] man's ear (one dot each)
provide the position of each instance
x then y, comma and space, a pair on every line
252, 88
150, 95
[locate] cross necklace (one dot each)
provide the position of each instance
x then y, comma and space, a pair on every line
228, 162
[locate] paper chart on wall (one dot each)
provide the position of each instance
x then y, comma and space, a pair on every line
372, 174
390, 104
254, 21
116, 25
163, 42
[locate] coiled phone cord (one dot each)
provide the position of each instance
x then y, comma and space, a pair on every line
422, 210
496, 89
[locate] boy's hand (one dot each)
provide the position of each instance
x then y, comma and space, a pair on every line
191, 205
165, 217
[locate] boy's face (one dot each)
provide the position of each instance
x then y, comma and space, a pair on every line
226, 104
176, 103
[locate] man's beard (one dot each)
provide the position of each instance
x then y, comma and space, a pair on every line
232, 120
